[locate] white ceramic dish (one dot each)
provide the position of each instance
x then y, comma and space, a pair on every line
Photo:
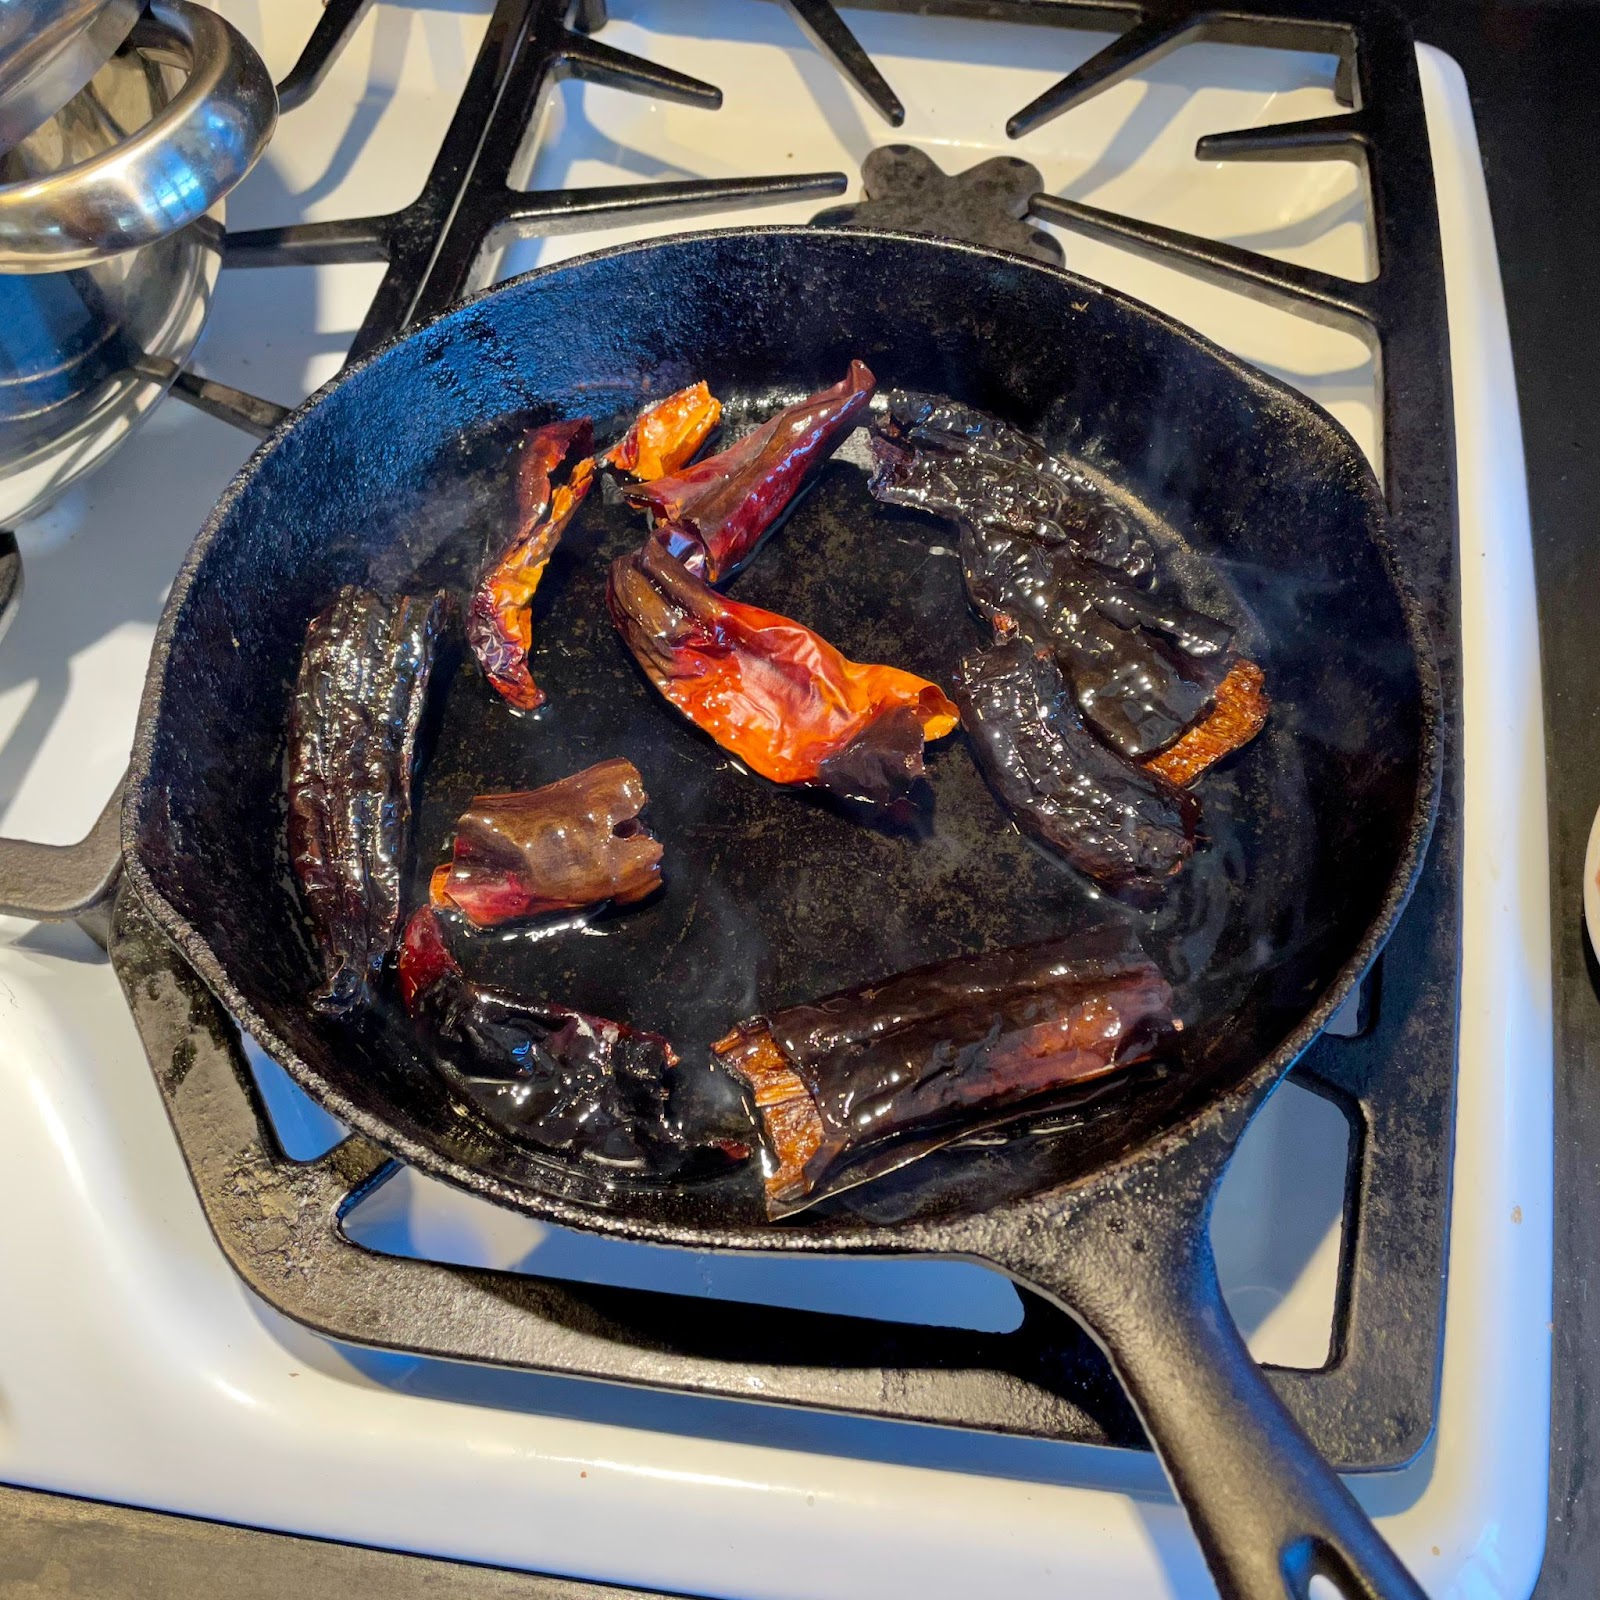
1591, 884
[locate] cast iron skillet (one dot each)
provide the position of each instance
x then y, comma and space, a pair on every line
395, 474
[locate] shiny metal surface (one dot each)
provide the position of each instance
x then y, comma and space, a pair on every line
85, 353
49, 49
147, 182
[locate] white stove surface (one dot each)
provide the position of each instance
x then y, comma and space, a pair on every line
134, 1366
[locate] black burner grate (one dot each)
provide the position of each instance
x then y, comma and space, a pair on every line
1373, 1404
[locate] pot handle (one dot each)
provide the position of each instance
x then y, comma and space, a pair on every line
164, 176
1270, 1514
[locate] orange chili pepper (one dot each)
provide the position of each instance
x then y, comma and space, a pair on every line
499, 619
666, 435
769, 690
1239, 714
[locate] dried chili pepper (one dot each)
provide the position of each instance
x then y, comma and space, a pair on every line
353, 726
1143, 667
1049, 555
864, 1081
424, 959
954, 461
573, 843
560, 1079
665, 436
715, 513
1240, 713
499, 619
1123, 825
769, 690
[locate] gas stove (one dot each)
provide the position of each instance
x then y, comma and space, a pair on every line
136, 1365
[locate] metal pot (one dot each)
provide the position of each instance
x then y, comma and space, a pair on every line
110, 241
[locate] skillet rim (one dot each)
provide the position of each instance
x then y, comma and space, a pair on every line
1222, 1116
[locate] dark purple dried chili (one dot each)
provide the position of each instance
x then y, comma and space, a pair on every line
1143, 667
955, 461
353, 727
1049, 555
559, 1079
1122, 825
852, 1086
713, 515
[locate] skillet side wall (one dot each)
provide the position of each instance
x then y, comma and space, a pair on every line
371, 481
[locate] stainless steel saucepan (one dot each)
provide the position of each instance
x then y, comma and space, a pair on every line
110, 221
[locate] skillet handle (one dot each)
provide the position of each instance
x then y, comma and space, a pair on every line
66, 882
1270, 1514
58, 882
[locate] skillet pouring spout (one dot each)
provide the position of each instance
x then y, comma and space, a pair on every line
397, 478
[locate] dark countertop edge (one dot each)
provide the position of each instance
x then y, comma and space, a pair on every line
58, 1547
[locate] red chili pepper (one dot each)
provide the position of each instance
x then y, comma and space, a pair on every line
499, 621
424, 956
769, 690
716, 512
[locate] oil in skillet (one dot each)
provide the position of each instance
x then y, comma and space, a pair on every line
775, 896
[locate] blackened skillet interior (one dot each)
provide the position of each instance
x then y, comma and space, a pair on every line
392, 476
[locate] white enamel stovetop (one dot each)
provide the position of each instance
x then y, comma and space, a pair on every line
133, 1364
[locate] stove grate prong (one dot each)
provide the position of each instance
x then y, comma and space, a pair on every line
560, 211
1142, 45
247, 412
829, 32
312, 244
593, 62
339, 20
1320, 296
1314, 139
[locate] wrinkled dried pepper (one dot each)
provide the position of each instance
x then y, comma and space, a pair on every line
852, 1086
714, 514
952, 460
1142, 666
560, 1079
665, 436
353, 725
1121, 824
1048, 555
572, 843
769, 690
499, 621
